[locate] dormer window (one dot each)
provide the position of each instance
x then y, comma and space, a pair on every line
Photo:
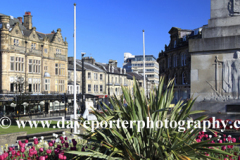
120, 70
16, 42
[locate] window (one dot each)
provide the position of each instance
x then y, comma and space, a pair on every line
169, 62
12, 63
33, 46
89, 88
175, 44
45, 68
95, 88
95, 76
112, 79
16, 43
184, 78
58, 51
17, 64
34, 85
175, 60
115, 79
183, 59
34, 66
89, 75
47, 84
45, 50
69, 75
56, 69
12, 87
61, 69
61, 86
101, 77
101, 88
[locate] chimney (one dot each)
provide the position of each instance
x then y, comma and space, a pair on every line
89, 60
113, 62
28, 20
20, 19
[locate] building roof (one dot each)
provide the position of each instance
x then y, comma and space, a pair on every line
105, 67
13, 21
136, 75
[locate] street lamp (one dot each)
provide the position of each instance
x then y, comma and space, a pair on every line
13, 105
42, 104
25, 104
83, 84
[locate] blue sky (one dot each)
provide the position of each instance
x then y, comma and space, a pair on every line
108, 28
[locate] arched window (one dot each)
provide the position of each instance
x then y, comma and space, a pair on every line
184, 78
116, 92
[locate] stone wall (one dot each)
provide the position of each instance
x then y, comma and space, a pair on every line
10, 138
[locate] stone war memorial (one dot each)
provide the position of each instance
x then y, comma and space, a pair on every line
215, 62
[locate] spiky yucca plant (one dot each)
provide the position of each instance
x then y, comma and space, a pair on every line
118, 142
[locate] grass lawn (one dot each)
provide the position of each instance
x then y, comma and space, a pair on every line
14, 128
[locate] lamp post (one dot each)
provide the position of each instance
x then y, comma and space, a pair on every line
13, 105
25, 104
42, 104
83, 85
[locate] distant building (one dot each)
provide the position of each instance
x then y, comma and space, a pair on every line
175, 63
135, 62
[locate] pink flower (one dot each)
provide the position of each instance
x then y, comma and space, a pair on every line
42, 158
10, 149
198, 140
65, 138
26, 141
50, 144
234, 140
220, 141
41, 149
224, 148
13, 152
22, 149
206, 136
61, 138
206, 154
49, 151
212, 142
35, 142
229, 139
228, 146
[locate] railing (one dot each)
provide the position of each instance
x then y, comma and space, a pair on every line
60, 57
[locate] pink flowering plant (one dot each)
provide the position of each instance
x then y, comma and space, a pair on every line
44, 150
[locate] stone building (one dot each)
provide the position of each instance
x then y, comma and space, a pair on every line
94, 77
115, 77
40, 60
215, 59
175, 61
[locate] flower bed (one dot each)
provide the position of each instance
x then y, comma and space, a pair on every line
43, 150
234, 150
